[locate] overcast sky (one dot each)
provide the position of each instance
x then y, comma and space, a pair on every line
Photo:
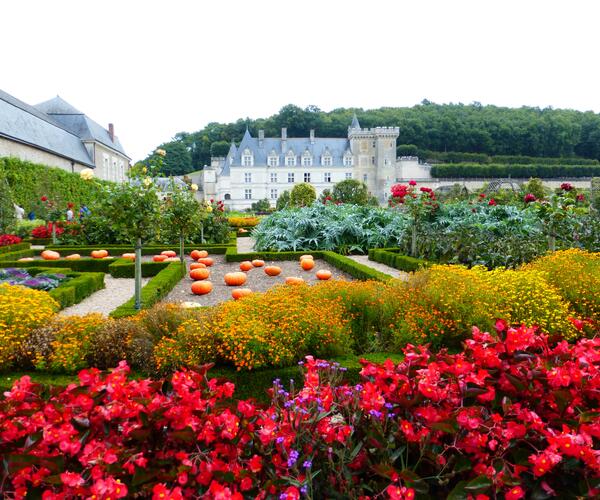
158, 68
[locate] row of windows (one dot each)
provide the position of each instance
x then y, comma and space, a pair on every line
290, 161
115, 170
291, 177
274, 193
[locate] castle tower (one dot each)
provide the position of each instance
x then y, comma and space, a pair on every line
374, 152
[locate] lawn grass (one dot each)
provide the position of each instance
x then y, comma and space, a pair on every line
252, 384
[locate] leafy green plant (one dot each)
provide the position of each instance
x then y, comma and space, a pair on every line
302, 195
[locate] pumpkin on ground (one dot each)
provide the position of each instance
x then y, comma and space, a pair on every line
238, 293
235, 279
159, 258
258, 263
169, 253
199, 274
50, 255
197, 265
273, 270
172, 259
294, 280
73, 256
26, 259
201, 287
99, 254
307, 264
207, 261
302, 257
128, 256
198, 254
246, 265
323, 274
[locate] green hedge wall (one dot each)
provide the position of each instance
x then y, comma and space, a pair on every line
391, 257
125, 268
157, 288
118, 250
84, 265
4, 257
460, 170
30, 181
14, 248
458, 157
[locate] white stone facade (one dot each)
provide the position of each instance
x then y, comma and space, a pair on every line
262, 167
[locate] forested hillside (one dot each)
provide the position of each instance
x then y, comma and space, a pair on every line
427, 127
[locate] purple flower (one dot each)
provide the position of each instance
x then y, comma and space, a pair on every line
293, 458
307, 464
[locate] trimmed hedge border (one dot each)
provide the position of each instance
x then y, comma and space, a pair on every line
393, 258
14, 248
157, 288
125, 268
17, 255
343, 263
118, 250
39, 241
83, 265
79, 287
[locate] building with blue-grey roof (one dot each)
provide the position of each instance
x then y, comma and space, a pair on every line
264, 167
56, 134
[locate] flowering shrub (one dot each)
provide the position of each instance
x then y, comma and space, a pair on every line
9, 239
243, 221
21, 311
46, 231
512, 415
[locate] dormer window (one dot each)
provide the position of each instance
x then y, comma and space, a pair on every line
326, 160
247, 158
290, 159
273, 160
348, 160
306, 159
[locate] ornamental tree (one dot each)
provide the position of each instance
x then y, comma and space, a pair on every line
181, 210
351, 191
303, 195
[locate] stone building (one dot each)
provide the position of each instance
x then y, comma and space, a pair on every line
56, 134
264, 167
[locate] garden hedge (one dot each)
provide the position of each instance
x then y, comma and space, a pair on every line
16, 255
14, 248
391, 257
150, 249
125, 268
79, 287
458, 157
343, 263
85, 264
476, 170
157, 288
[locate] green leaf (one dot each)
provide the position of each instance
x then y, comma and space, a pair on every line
459, 492
479, 484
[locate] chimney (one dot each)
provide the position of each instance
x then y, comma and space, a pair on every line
261, 138
312, 135
111, 131
283, 140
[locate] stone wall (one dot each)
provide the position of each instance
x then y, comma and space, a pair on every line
34, 155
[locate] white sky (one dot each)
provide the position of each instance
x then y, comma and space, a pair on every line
156, 68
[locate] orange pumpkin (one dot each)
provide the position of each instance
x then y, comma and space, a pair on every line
273, 270
169, 253
307, 264
50, 255
98, 254
73, 256
201, 287
172, 259
302, 257
197, 265
323, 274
238, 293
198, 254
294, 280
159, 258
128, 256
207, 261
199, 274
258, 263
246, 265
235, 279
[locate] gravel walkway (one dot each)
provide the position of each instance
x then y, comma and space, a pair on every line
245, 245
116, 292
364, 259
257, 281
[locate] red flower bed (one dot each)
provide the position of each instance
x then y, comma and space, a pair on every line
46, 231
9, 239
510, 416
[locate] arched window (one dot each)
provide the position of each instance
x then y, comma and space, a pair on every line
247, 158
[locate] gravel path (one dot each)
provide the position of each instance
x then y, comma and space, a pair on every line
364, 259
257, 280
245, 245
116, 292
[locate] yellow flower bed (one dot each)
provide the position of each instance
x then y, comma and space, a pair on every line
21, 310
243, 221
576, 273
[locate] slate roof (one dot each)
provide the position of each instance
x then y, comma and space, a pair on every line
355, 123
78, 123
335, 146
24, 123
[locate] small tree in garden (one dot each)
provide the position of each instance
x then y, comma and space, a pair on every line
351, 191
134, 209
418, 204
303, 195
283, 201
182, 211
53, 214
